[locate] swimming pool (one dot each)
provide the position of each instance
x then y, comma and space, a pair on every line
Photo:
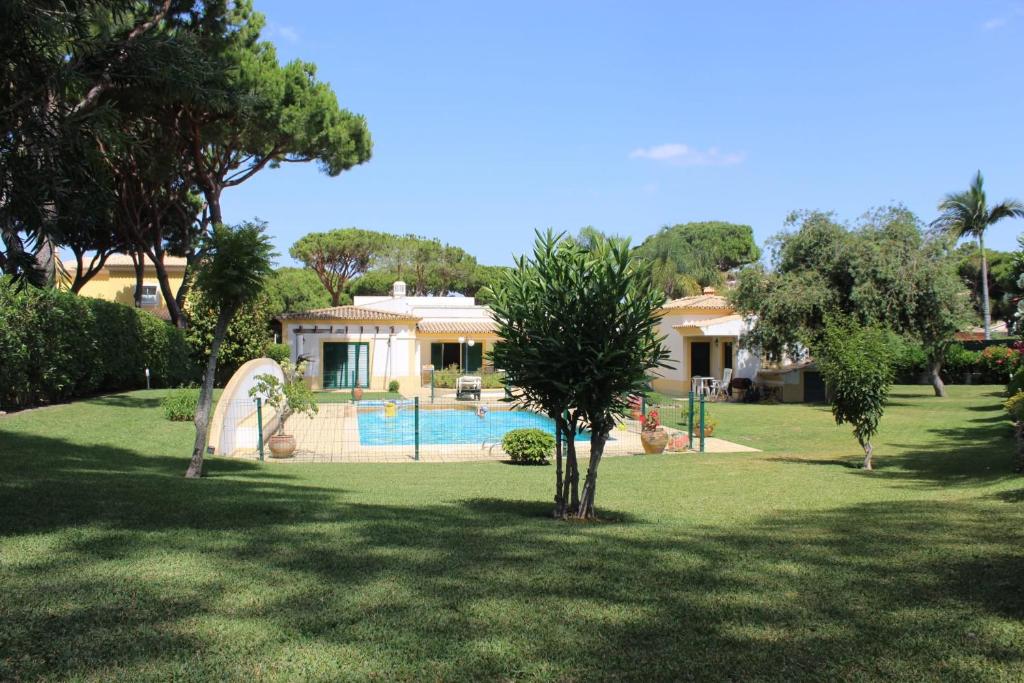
447, 426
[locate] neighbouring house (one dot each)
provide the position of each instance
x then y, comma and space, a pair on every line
116, 282
702, 335
795, 382
383, 338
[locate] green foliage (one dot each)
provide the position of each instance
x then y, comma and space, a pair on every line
856, 364
289, 397
999, 363
445, 379
881, 273
528, 446
691, 256
248, 334
393, 386
339, 256
959, 361
297, 289
180, 405
909, 359
578, 331
278, 352
55, 346
1015, 406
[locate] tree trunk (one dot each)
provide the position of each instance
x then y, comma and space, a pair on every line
177, 317
202, 419
559, 511
986, 313
937, 384
867, 455
598, 437
571, 476
139, 260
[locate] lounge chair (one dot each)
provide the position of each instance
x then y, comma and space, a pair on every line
468, 387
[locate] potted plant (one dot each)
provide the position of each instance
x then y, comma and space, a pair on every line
357, 393
709, 424
287, 397
652, 435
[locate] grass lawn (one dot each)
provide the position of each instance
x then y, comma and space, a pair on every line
789, 564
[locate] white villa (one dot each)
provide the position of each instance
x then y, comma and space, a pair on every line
702, 334
383, 338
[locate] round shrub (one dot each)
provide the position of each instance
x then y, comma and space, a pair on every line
528, 446
393, 386
959, 362
278, 352
998, 363
180, 405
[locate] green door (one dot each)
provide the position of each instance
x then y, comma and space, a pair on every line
474, 357
346, 365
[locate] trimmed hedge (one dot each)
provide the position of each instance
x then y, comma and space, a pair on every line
55, 346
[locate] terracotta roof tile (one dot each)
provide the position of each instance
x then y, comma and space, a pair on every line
456, 327
345, 313
713, 302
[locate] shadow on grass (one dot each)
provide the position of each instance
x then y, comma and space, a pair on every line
249, 574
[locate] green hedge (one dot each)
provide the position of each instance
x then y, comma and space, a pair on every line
55, 346
528, 446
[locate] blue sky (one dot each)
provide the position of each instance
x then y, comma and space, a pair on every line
490, 121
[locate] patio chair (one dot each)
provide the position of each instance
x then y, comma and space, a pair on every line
720, 389
468, 387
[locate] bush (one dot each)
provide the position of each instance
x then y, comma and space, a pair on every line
180, 405
248, 334
278, 352
959, 361
55, 346
998, 363
528, 446
909, 361
394, 386
445, 379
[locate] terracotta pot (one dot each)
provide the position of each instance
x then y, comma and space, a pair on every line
357, 393
281, 445
654, 440
708, 430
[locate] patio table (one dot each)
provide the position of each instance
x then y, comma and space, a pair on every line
701, 385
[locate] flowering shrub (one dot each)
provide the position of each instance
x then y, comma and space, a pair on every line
652, 421
998, 363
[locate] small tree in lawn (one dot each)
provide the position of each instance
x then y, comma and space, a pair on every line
856, 364
237, 265
578, 336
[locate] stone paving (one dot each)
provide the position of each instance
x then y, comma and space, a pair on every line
333, 436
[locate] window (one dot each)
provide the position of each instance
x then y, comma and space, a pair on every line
149, 296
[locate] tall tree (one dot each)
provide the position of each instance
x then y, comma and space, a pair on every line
578, 362
296, 289
882, 273
967, 214
338, 256
234, 271
698, 253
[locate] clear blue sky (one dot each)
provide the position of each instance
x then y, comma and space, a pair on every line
490, 121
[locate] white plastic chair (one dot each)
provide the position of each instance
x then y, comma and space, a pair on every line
720, 389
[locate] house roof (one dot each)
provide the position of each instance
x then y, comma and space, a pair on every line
706, 327
702, 302
456, 327
124, 260
345, 313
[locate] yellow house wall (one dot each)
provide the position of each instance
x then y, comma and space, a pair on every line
119, 285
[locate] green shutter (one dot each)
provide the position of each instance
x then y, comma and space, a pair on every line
437, 355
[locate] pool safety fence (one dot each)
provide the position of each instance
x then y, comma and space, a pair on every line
412, 429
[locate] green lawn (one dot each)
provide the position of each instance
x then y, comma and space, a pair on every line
346, 396
784, 565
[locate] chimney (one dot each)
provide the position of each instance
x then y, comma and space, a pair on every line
398, 289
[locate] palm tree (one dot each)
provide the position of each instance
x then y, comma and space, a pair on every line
237, 266
966, 214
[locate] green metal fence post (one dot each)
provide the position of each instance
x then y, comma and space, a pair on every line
643, 406
431, 385
702, 423
416, 426
259, 425
689, 438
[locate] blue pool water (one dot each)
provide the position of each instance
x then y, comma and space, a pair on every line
447, 426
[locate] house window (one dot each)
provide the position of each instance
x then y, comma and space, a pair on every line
444, 355
149, 296
346, 365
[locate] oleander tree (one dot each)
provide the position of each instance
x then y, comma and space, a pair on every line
856, 364
578, 330
234, 271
